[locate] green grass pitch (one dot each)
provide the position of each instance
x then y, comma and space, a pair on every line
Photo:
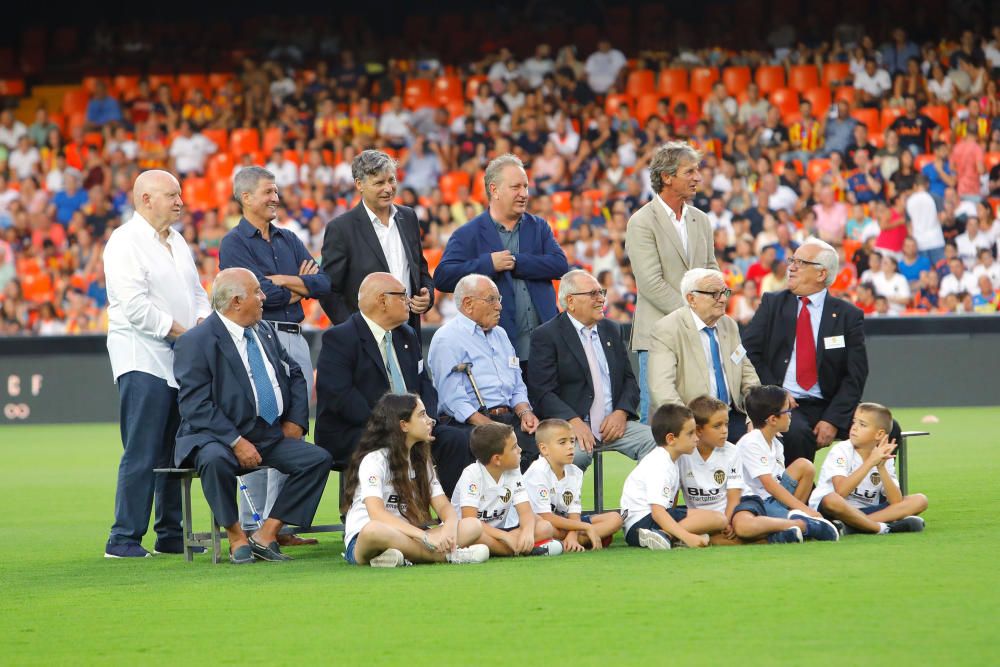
929, 598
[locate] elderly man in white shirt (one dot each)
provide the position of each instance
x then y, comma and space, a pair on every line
154, 296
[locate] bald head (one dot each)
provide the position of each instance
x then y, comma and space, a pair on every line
157, 198
382, 299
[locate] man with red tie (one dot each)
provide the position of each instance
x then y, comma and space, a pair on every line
813, 345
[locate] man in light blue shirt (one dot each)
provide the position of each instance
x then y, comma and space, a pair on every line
498, 392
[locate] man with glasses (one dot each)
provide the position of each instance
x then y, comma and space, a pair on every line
813, 345
580, 372
696, 351
374, 352
476, 369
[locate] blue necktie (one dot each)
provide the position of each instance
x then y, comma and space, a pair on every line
395, 376
720, 379
266, 402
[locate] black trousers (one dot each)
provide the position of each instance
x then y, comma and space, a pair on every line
451, 454
800, 441
526, 441
737, 425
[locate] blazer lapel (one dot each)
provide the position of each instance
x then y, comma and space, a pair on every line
232, 355
789, 319
611, 354
268, 341
572, 338
403, 352
695, 346
364, 226
826, 322
667, 228
410, 235
489, 238
369, 345
727, 345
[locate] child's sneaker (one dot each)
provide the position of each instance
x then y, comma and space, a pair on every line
475, 553
653, 539
678, 543
840, 526
547, 548
791, 535
389, 558
816, 529
910, 524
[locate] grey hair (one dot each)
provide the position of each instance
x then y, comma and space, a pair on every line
371, 163
827, 256
226, 286
496, 167
689, 282
567, 285
246, 180
667, 159
466, 285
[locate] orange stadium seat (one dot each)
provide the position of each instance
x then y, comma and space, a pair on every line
37, 287
817, 167
820, 98
168, 80
803, 77
417, 94
702, 80
451, 182
889, 114
640, 82
472, 85
939, 114
836, 74
219, 79
992, 160
220, 167
562, 201
218, 137
869, 117
125, 85
89, 84
645, 106
736, 79
198, 194
846, 93
272, 139
479, 187
244, 140
691, 100
292, 155
922, 160
612, 102
12, 88
75, 101
223, 189
672, 81
786, 99
770, 77
75, 120
447, 89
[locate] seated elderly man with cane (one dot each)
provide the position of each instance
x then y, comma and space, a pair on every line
476, 371
243, 404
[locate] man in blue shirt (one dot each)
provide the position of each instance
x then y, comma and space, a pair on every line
102, 108
287, 274
939, 174
495, 391
866, 184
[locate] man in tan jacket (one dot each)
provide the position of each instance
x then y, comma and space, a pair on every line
696, 350
664, 239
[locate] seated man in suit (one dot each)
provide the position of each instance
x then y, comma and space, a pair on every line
372, 353
476, 371
813, 345
696, 351
243, 404
580, 372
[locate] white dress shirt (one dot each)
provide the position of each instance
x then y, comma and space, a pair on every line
589, 336
677, 222
706, 345
392, 246
816, 302
149, 287
236, 331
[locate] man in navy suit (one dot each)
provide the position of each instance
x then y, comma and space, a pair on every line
511, 247
372, 353
580, 372
813, 345
243, 403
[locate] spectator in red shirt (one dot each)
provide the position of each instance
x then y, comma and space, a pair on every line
763, 266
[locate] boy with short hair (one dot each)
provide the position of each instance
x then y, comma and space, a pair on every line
554, 486
857, 483
491, 487
712, 479
773, 491
647, 503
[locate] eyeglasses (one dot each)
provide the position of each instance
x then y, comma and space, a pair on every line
799, 263
399, 294
715, 295
593, 294
491, 300
785, 412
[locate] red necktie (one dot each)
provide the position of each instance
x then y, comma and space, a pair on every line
805, 348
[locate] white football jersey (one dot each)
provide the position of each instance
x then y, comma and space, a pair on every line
548, 494
494, 500
842, 461
705, 482
375, 481
652, 482
760, 458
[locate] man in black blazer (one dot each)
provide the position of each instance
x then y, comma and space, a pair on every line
593, 389
815, 350
243, 403
376, 235
354, 371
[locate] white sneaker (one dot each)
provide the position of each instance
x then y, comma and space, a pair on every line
388, 558
547, 548
678, 543
651, 539
474, 553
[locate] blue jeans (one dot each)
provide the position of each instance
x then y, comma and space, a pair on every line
933, 255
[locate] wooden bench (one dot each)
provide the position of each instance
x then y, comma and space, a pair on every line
212, 540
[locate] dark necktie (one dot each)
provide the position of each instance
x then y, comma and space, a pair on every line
267, 404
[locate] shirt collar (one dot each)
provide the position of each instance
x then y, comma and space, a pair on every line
377, 330
247, 229
501, 228
468, 324
150, 231
374, 218
699, 324
235, 330
818, 299
580, 329
670, 212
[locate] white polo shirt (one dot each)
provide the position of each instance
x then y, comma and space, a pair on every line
842, 461
550, 494
494, 500
391, 241
760, 458
653, 482
705, 482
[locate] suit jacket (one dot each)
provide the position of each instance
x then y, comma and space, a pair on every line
770, 338
540, 260
216, 398
351, 378
559, 381
659, 262
678, 369
351, 252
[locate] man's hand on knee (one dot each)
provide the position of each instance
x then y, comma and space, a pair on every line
247, 454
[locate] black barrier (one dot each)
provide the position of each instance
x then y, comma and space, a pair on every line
940, 361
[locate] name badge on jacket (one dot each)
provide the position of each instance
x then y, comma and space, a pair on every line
738, 354
514, 362
834, 342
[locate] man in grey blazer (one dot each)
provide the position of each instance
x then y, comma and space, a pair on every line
664, 239
696, 350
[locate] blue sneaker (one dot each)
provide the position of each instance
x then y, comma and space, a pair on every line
174, 545
791, 535
129, 550
910, 524
816, 529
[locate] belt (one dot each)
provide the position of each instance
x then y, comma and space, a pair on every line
288, 327
499, 410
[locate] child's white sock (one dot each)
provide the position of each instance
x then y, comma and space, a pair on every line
883, 528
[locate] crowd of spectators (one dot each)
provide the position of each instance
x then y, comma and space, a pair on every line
891, 154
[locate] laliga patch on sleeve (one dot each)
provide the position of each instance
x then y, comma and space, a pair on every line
738, 354
514, 362
834, 342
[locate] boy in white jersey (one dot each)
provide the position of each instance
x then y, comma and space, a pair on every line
857, 483
712, 478
554, 485
772, 491
647, 503
492, 490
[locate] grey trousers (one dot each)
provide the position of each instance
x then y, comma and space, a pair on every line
636, 442
265, 485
